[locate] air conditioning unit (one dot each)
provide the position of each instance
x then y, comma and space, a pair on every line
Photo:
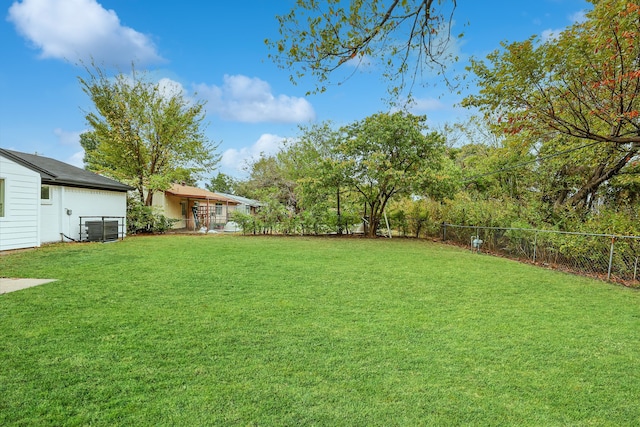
102, 231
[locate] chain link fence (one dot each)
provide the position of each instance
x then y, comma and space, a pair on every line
604, 256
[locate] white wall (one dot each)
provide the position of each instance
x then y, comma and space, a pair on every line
19, 225
82, 202
50, 216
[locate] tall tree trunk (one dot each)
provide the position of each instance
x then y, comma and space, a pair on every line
601, 175
372, 227
141, 188
339, 214
365, 223
374, 222
149, 199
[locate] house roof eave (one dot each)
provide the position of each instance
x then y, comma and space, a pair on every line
66, 175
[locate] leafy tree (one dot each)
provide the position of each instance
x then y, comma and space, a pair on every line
317, 166
577, 94
405, 36
268, 179
222, 183
624, 189
389, 155
89, 143
272, 213
496, 172
245, 221
143, 133
414, 215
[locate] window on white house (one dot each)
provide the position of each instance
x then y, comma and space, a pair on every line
2, 198
218, 208
45, 194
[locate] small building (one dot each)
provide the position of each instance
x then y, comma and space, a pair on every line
245, 205
44, 200
194, 208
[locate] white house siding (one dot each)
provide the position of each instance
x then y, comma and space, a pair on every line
82, 202
50, 216
19, 225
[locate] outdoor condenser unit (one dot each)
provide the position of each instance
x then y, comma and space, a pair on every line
102, 231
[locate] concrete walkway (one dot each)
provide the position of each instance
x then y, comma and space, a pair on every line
10, 285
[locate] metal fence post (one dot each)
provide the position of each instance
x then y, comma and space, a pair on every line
583, 261
613, 239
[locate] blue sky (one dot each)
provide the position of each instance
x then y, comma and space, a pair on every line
215, 49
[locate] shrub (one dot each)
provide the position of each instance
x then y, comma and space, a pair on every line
244, 220
143, 219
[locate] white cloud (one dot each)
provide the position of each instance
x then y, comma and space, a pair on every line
422, 105
578, 17
250, 100
364, 62
71, 139
80, 30
549, 34
575, 18
170, 88
235, 160
66, 137
77, 159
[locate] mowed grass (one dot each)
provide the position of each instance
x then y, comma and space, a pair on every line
232, 330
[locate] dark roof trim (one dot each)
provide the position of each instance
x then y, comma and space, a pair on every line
88, 186
11, 156
55, 172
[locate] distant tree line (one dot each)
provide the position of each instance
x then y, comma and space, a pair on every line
555, 144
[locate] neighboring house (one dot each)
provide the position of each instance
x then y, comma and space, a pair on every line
248, 206
194, 208
44, 200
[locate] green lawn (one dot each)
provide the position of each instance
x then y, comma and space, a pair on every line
232, 330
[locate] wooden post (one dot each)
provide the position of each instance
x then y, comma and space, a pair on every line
208, 217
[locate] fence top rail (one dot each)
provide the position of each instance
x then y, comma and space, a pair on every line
575, 233
101, 216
